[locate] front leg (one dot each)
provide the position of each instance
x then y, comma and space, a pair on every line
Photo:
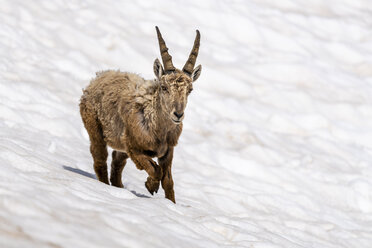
155, 172
167, 182
144, 162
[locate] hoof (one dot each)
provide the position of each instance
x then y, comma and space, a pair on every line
152, 185
116, 182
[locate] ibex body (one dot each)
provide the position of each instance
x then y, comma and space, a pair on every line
140, 119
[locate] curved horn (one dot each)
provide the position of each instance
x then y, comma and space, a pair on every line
167, 59
190, 63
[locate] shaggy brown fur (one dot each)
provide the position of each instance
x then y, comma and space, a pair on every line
140, 119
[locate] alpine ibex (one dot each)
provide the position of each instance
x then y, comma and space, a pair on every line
140, 119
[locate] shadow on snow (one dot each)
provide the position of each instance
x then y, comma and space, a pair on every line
91, 175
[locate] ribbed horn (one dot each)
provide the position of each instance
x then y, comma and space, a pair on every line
190, 63
167, 59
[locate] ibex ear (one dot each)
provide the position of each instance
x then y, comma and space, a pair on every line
158, 69
196, 73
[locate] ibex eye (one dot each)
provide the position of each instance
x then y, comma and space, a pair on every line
164, 88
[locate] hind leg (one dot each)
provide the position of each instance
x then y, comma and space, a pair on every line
119, 159
98, 147
99, 153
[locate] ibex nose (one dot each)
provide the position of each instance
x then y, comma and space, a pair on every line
178, 115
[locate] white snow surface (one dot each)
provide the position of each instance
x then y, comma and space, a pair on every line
276, 149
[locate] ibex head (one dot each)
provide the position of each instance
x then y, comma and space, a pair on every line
175, 85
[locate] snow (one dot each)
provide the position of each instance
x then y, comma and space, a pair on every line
277, 143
